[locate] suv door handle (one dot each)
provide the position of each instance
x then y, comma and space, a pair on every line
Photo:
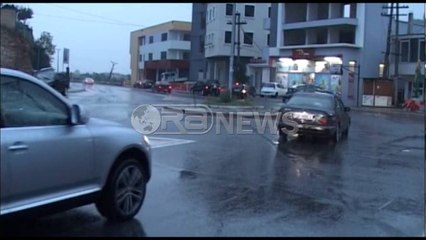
17, 147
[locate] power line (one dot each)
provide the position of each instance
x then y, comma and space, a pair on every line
94, 15
82, 20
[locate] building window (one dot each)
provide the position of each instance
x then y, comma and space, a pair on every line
149, 56
201, 42
203, 21
422, 50
213, 17
140, 57
414, 50
229, 9
186, 37
269, 12
142, 40
210, 15
163, 55
164, 37
249, 10
405, 48
248, 38
151, 39
185, 56
268, 40
228, 37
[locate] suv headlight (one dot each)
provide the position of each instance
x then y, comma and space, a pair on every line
146, 140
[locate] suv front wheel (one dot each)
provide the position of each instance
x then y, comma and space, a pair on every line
124, 192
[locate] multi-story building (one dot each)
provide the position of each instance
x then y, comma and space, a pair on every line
160, 48
325, 44
253, 36
411, 40
198, 63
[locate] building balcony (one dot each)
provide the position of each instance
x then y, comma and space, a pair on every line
320, 23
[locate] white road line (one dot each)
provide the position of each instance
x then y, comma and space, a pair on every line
159, 142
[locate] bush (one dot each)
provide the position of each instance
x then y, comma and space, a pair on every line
225, 96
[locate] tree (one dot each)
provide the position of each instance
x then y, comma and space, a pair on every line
43, 49
45, 42
24, 13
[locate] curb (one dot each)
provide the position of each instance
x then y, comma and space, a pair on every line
226, 114
76, 91
406, 113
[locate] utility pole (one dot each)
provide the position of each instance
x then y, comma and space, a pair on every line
386, 62
239, 23
112, 68
231, 57
396, 54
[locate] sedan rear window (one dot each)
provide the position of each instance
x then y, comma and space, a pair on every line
314, 101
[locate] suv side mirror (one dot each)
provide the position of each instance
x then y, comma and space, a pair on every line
78, 115
347, 109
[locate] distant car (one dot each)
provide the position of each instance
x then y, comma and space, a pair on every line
206, 88
54, 157
143, 84
89, 81
199, 87
272, 89
315, 113
162, 87
147, 84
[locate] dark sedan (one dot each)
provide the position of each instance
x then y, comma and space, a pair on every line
315, 113
300, 88
206, 88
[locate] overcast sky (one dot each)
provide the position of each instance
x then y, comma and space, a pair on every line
97, 34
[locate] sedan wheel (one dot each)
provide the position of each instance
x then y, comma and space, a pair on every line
337, 136
124, 193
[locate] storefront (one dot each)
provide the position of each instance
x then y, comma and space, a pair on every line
303, 67
334, 69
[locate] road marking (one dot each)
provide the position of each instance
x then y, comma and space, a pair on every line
159, 142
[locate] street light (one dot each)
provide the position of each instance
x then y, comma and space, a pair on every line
381, 69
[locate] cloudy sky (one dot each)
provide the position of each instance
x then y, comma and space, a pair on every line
97, 34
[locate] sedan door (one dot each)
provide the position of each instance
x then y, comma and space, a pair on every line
47, 157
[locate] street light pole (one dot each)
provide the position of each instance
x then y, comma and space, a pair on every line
57, 61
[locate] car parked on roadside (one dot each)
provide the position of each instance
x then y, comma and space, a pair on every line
315, 113
55, 157
143, 84
272, 89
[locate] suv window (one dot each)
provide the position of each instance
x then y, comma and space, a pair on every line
25, 104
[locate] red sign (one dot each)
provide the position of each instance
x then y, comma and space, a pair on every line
307, 53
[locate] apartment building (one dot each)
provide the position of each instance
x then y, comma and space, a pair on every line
411, 54
253, 37
161, 48
325, 44
198, 63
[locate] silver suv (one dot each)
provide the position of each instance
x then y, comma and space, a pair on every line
54, 157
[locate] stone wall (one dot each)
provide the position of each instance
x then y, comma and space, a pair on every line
15, 51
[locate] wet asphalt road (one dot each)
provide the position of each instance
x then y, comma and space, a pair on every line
371, 184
